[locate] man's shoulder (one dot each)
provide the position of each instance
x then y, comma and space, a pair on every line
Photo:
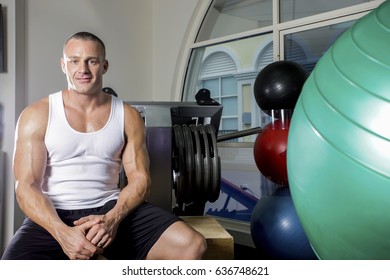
37, 112
38, 107
130, 110
134, 123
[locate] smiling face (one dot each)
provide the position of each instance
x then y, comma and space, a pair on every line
84, 64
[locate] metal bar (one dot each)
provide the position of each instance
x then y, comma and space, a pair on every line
239, 134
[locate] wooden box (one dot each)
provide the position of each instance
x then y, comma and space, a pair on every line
220, 244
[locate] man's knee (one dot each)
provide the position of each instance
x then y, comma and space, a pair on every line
192, 244
179, 241
199, 246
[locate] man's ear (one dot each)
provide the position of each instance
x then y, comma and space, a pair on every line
105, 66
63, 68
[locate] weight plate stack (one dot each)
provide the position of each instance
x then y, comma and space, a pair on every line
196, 164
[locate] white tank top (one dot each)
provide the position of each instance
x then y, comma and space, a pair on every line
82, 168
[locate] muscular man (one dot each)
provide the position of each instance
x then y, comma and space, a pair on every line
69, 149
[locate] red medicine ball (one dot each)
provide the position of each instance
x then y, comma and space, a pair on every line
270, 151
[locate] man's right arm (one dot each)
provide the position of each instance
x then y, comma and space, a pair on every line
30, 157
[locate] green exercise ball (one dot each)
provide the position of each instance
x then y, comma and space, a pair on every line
338, 150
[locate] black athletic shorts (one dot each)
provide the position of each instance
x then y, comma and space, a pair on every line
136, 234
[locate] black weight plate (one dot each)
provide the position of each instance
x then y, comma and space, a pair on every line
207, 168
198, 162
175, 160
189, 149
180, 190
216, 166
185, 193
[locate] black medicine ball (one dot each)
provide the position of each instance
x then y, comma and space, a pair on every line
279, 85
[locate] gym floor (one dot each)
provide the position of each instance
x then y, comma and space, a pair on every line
242, 252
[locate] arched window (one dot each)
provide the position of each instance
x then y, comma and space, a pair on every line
265, 57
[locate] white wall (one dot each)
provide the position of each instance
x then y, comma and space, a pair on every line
125, 27
142, 37
171, 18
143, 40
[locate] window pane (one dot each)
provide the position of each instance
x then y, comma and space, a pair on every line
212, 86
229, 106
294, 9
226, 17
307, 47
228, 86
229, 124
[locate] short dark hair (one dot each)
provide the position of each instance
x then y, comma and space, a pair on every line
83, 35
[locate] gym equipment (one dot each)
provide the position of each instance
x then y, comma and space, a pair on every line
202, 97
110, 91
276, 229
184, 162
338, 155
270, 151
238, 134
196, 164
279, 84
